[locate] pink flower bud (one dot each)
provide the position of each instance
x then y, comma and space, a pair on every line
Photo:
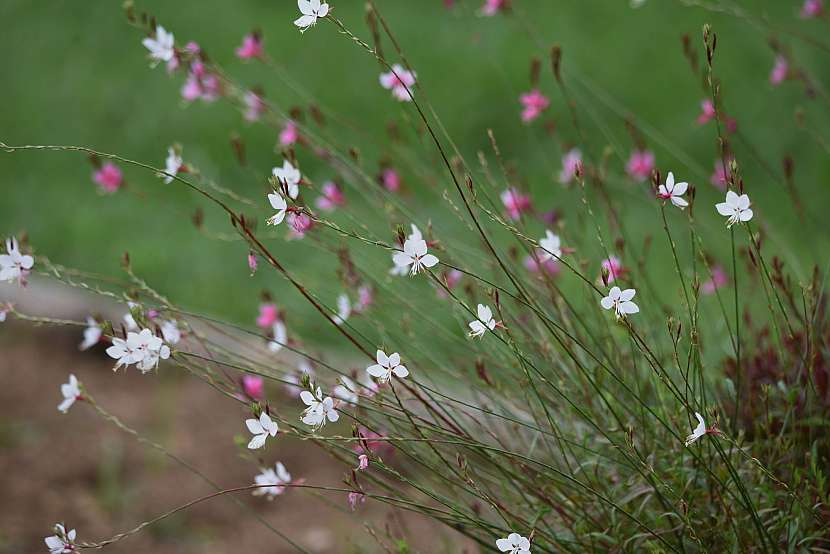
109, 177
253, 386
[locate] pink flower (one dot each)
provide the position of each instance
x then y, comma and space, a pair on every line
253, 386
252, 262
718, 280
254, 104
730, 123
571, 161
534, 103
108, 177
332, 197
812, 8
201, 84
536, 265
300, 224
268, 315
515, 202
613, 268
452, 279
193, 48
707, 112
492, 7
289, 134
192, 89
365, 298
251, 47
640, 165
400, 81
390, 179
378, 447
362, 462
720, 178
356, 498
779, 70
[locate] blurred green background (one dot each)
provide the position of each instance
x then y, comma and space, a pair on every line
77, 74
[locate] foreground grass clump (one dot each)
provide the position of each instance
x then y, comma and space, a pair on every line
641, 372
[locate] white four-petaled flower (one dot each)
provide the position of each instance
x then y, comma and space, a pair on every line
289, 176
387, 366
311, 10
673, 192
161, 47
319, 408
14, 266
698, 431
552, 245
736, 208
261, 428
71, 392
620, 300
272, 481
484, 322
62, 542
414, 256
143, 349
514, 543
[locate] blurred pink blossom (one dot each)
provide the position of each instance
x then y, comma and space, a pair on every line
534, 103
254, 104
365, 298
400, 81
613, 268
571, 161
252, 262
538, 264
779, 70
356, 498
300, 224
452, 277
492, 7
332, 197
640, 165
707, 112
253, 386
251, 47
720, 177
362, 462
515, 202
719, 279
268, 315
109, 177
812, 8
289, 134
390, 179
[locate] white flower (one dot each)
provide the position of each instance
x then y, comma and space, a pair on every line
161, 47
415, 234
275, 479
279, 204
261, 428
170, 332
311, 10
129, 320
280, 336
736, 208
61, 542
347, 391
143, 349
698, 431
319, 409
92, 334
514, 544
344, 309
14, 266
620, 300
414, 254
386, 366
485, 321
71, 392
172, 165
289, 176
673, 191
552, 246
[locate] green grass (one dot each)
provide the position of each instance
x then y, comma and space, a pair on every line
79, 76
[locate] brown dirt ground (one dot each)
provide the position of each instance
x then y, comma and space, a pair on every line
81, 469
